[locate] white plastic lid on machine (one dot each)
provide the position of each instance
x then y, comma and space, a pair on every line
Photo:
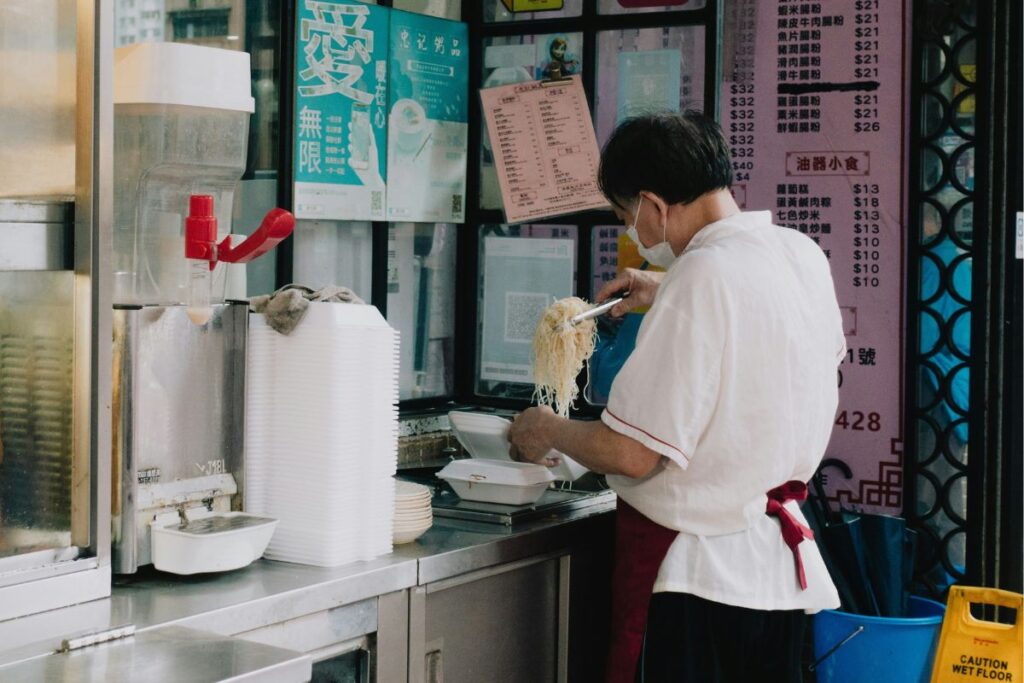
183, 74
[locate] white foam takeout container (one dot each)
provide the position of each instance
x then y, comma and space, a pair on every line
486, 436
497, 481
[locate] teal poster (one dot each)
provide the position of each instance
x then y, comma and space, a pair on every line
340, 133
428, 120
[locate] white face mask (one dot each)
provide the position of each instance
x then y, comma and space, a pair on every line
661, 254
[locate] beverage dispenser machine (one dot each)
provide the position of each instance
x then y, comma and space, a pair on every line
181, 117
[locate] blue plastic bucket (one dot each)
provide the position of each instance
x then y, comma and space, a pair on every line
887, 650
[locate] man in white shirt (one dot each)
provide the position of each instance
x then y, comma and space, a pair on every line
715, 422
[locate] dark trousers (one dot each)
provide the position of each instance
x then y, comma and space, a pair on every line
692, 640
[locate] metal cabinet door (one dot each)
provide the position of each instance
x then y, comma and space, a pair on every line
507, 623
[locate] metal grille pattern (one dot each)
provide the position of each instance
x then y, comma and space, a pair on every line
941, 249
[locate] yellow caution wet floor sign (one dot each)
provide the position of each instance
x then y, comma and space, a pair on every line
974, 650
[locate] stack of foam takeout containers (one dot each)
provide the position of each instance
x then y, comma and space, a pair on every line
322, 433
490, 475
413, 514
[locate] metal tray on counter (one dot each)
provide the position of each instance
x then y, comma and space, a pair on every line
588, 490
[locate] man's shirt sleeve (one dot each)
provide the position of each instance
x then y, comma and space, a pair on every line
664, 395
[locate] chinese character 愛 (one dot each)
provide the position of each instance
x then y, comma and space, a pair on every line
334, 49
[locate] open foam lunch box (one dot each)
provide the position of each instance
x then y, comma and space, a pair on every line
490, 475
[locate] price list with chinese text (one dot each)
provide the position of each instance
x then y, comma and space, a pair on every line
816, 134
545, 150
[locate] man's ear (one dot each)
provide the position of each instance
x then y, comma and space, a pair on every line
658, 202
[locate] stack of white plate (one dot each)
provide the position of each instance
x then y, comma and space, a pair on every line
413, 514
322, 433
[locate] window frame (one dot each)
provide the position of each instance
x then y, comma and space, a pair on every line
590, 24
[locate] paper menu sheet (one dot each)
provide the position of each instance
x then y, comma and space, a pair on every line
545, 149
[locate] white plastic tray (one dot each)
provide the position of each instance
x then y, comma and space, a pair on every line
205, 548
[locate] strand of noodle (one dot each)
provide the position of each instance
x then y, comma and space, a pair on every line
560, 349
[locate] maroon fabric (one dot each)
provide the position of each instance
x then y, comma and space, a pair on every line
793, 532
640, 547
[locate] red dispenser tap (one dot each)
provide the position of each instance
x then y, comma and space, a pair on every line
201, 245
201, 234
276, 225
201, 230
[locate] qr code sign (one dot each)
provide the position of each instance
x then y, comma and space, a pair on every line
456, 204
522, 313
376, 202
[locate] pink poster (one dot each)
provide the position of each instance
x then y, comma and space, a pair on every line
544, 148
816, 131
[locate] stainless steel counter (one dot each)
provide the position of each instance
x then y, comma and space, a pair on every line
171, 653
454, 547
268, 593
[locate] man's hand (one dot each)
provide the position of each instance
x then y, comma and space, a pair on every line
536, 431
642, 285
530, 438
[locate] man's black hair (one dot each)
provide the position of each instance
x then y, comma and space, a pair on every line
678, 157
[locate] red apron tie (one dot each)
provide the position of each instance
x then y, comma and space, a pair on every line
640, 547
793, 532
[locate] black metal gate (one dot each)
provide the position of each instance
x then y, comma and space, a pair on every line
962, 440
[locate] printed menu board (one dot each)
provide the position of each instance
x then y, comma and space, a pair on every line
815, 130
519, 59
544, 148
340, 110
428, 127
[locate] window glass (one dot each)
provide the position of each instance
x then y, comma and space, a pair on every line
633, 6
138, 21
524, 269
495, 11
445, 9
257, 191
254, 197
220, 25
647, 70
421, 299
262, 26
333, 253
515, 59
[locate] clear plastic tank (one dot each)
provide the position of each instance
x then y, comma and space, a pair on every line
162, 155
181, 127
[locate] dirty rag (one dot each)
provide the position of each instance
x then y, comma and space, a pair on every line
284, 309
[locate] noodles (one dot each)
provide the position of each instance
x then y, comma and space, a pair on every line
559, 351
